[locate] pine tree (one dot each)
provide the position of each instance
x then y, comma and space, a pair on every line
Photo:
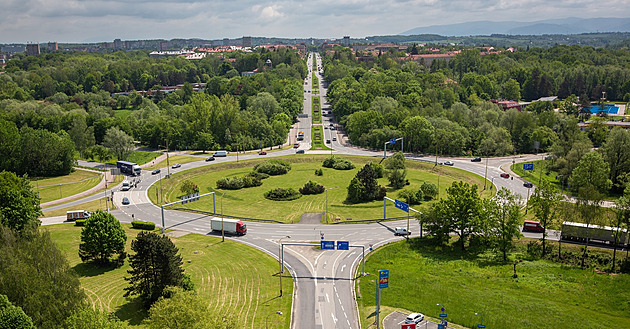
155, 266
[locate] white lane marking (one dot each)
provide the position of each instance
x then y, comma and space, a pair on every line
344, 311
327, 299
348, 323
334, 318
343, 267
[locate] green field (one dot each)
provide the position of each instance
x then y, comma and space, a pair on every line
139, 157
173, 160
534, 175
123, 114
234, 279
545, 295
318, 139
99, 204
55, 188
250, 202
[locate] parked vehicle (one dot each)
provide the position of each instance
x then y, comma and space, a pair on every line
505, 175
605, 234
129, 168
220, 153
78, 214
230, 226
210, 158
401, 231
414, 318
155, 171
532, 226
477, 159
125, 186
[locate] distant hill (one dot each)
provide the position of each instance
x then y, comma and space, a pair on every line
570, 25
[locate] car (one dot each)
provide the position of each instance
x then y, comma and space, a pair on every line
296, 145
333, 128
528, 184
262, 153
155, 171
328, 141
125, 200
334, 139
332, 124
299, 152
401, 231
210, 158
477, 159
177, 165
448, 163
414, 318
505, 175
325, 127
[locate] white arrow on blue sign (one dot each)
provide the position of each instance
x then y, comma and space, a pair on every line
343, 245
327, 245
528, 166
392, 141
401, 205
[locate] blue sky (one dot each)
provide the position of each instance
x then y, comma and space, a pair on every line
24, 21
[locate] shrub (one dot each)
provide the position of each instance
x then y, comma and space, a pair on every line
312, 188
337, 163
250, 181
230, 183
79, 222
142, 225
273, 167
408, 196
378, 169
258, 175
319, 172
282, 194
429, 190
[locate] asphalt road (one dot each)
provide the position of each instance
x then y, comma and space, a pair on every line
323, 294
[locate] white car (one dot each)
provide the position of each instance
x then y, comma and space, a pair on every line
448, 163
414, 318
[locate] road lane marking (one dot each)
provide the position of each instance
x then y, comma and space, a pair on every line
334, 318
327, 299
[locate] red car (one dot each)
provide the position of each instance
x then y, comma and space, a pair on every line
505, 175
262, 153
296, 145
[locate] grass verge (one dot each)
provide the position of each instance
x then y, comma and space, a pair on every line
173, 160
545, 294
250, 202
318, 139
316, 109
233, 278
534, 176
55, 188
99, 204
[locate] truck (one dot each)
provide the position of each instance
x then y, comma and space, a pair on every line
129, 168
77, 214
221, 153
300, 136
230, 226
605, 234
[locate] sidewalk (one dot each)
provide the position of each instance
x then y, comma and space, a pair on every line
105, 181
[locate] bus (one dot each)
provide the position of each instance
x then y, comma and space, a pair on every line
129, 168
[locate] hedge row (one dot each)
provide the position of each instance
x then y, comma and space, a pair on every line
273, 167
79, 222
338, 163
142, 225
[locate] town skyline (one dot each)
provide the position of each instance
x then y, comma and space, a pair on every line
97, 21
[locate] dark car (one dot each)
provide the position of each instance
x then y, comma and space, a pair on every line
528, 184
210, 158
477, 159
262, 153
155, 171
125, 200
299, 152
505, 175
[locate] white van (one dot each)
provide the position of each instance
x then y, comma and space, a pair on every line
220, 153
125, 186
401, 231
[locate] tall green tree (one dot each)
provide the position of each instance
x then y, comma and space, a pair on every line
588, 207
88, 318
81, 134
364, 186
155, 265
44, 153
621, 219
101, 238
544, 203
9, 145
19, 204
616, 152
12, 317
459, 212
183, 310
592, 171
505, 211
118, 142
397, 172
36, 276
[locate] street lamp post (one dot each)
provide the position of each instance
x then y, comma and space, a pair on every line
481, 324
485, 176
267, 318
222, 231
516, 262
280, 258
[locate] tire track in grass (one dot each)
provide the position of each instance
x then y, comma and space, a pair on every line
213, 301
257, 297
103, 291
249, 286
94, 301
219, 291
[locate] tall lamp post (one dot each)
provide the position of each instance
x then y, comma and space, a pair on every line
481, 324
280, 261
222, 231
267, 318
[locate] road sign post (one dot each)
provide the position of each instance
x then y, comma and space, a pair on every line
196, 197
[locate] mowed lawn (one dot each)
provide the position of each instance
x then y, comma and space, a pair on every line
545, 295
173, 160
250, 202
233, 278
94, 205
55, 188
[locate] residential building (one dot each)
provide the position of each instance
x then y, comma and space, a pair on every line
32, 49
247, 42
52, 46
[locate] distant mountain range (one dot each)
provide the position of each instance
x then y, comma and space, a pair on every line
571, 25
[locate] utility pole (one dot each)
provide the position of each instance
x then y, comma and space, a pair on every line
168, 166
485, 176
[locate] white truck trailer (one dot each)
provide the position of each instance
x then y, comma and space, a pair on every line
580, 232
230, 226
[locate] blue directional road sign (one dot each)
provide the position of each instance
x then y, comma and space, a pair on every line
481, 326
528, 166
401, 205
343, 245
327, 245
392, 141
383, 279
443, 315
